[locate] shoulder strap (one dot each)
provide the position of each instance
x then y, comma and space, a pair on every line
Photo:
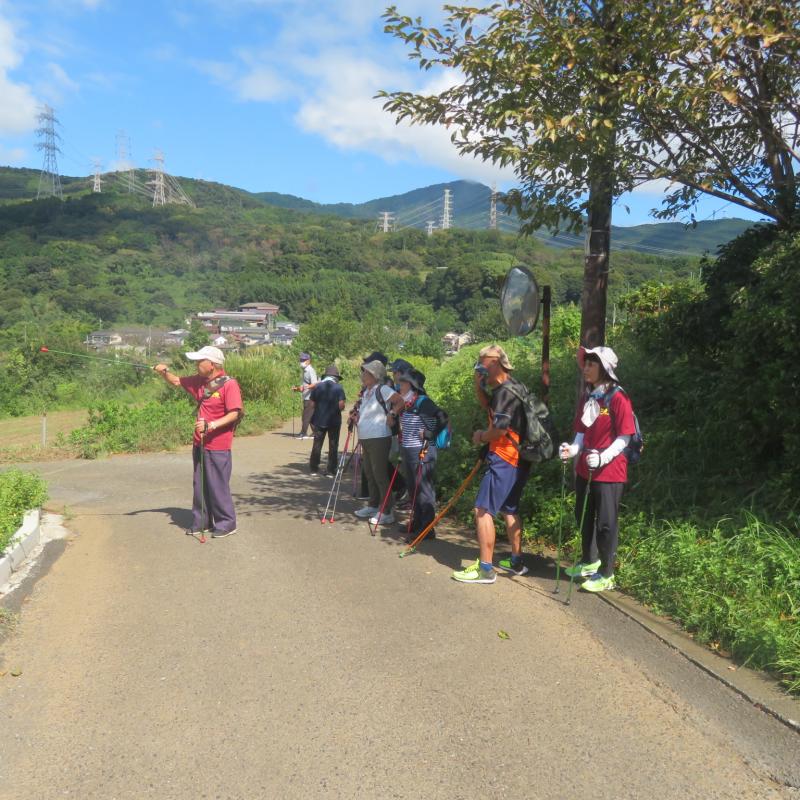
607, 398
379, 397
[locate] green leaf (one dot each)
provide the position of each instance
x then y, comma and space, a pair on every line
501, 634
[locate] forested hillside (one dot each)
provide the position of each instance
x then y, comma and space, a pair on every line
114, 258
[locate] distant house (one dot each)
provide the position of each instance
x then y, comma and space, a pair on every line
103, 339
251, 324
453, 342
176, 338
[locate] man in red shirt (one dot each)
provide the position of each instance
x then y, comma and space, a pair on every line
219, 409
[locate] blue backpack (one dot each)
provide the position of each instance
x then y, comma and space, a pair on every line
445, 436
633, 452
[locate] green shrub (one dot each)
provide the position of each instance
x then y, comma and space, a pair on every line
19, 492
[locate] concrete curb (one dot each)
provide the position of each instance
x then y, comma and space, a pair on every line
23, 542
760, 690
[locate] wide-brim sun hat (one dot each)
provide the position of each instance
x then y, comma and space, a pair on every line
213, 354
495, 351
413, 377
376, 369
332, 372
608, 359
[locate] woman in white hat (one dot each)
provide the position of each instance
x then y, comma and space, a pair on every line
380, 407
603, 429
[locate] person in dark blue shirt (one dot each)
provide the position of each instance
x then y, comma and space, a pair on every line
328, 400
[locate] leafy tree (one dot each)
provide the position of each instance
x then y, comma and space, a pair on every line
723, 107
588, 98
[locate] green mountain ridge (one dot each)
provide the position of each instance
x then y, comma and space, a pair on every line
470, 210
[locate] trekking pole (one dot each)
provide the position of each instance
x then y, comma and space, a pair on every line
580, 531
374, 530
202, 488
461, 489
356, 459
560, 525
422, 454
338, 486
336, 481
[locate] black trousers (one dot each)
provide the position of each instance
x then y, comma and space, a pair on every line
422, 491
600, 533
333, 448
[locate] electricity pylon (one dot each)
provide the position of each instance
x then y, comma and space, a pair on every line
49, 179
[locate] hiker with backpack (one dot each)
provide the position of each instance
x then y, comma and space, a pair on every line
328, 400
219, 410
604, 427
378, 412
501, 487
422, 424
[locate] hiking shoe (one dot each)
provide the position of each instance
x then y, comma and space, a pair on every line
385, 519
366, 512
581, 570
313, 472
474, 574
192, 532
598, 583
508, 565
222, 534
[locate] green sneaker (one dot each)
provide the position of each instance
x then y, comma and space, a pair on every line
581, 570
508, 565
474, 574
598, 583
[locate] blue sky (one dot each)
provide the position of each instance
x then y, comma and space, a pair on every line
266, 95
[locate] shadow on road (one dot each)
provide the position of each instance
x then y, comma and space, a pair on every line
179, 517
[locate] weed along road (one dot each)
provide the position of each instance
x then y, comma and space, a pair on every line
300, 660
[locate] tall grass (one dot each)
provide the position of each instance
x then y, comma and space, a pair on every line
736, 587
19, 492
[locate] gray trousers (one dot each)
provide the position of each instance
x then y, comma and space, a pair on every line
600, 533
420, 486
219, 511
375, 456
305, 421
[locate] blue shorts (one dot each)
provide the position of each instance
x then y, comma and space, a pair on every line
501, 486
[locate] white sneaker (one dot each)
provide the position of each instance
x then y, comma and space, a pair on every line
367, 511
386, 519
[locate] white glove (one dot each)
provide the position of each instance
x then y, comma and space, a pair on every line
566, 451
593, 459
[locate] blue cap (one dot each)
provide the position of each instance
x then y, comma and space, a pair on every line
305, 357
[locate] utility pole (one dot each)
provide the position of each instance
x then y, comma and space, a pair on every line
447, 211
431, 224
159, 195
386, 221
493, 209
97, 183
49, 179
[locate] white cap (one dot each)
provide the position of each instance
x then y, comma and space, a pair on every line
608, 358
213, 354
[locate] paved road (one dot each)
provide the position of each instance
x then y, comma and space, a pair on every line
295, 660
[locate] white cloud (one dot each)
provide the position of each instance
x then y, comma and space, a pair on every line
261, 83
12, 156
655, 187
18, 106
343, 110
330, 60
